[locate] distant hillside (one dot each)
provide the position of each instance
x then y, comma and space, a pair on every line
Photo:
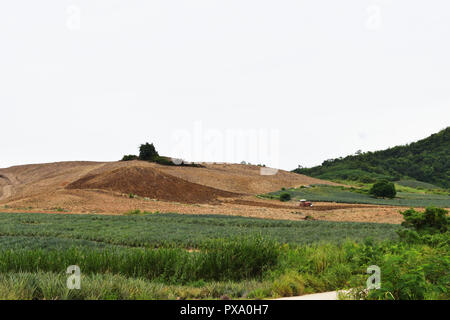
427, 160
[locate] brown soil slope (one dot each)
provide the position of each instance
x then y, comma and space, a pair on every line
245, 179
29, 180
102, 187
26, 181
151, 183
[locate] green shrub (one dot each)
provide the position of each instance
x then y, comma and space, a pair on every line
289, 284
285, 197
413, 274
384, 189
129, 157
166, 161
432, 220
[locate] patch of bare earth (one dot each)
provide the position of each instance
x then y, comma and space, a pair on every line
229, 189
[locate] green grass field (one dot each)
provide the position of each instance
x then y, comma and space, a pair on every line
346, 195
169, 230
146, 257
417, 184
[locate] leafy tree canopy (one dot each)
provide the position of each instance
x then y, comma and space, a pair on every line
147, 152
427, 160
383, 189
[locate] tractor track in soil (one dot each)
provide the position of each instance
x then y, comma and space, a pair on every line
6, 190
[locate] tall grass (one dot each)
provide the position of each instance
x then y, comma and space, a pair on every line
50, 285
35, 251
221, 260
409, 271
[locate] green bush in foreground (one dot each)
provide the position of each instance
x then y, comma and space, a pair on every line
430, 226
419, 267
432, 220
413, 275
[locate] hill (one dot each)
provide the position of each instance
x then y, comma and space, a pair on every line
126, 186
427, 160
150, 183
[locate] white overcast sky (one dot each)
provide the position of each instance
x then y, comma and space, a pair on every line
91, 79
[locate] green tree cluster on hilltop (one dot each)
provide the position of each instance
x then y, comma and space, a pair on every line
427, 160
147, 152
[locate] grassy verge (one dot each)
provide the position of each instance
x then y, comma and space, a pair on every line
37, 250
219, 260
408, 272
50, 285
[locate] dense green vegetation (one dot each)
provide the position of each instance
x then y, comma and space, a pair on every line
354, 195
176, 230
384, 189
220, 260
421, 268
145, 256
409, 271
427, 160
417, 184
431, 221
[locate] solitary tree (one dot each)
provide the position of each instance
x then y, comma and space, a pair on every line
383, 189
147, 152
285, 197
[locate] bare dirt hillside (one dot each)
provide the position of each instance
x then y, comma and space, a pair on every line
151, 183
245, 179
104, 187
144, 179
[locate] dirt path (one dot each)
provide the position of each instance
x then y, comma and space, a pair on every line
331, 295
7, 190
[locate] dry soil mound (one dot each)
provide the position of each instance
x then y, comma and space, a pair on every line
245, 179
151, 183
